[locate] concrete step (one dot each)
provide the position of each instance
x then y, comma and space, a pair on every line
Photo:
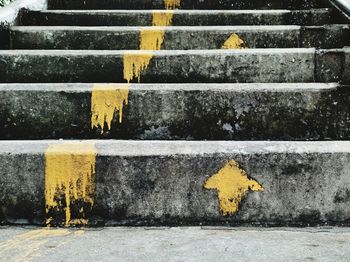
183, 4
320, 16
175, 37
175, 111
179, 66
175, 183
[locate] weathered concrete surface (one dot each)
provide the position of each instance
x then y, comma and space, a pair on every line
177, 66
160, 182
176, 37
320, 16
176, 244
180, 111
185, 4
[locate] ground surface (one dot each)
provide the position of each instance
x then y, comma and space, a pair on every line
175, 244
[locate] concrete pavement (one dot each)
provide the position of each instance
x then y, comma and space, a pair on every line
175, 244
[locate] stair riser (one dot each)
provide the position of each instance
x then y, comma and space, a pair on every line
258, 65
163, 113
185, 38
185, 4
304, 184
180, 18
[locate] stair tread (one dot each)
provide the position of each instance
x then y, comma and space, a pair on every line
162, 147
179, 17
73, 87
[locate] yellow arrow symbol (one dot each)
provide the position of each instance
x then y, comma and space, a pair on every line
232, 184
234, 42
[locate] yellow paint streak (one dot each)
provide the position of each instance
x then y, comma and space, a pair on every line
232, 183
26, 246
151, 39
106, 100
234, 42
162, 18
172, 4
69, 174
134, 64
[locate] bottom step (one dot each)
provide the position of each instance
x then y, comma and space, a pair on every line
174, 182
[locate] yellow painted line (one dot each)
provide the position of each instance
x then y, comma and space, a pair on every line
232, 184
69, 178
106, 100
234, 42
150, 39
26, 246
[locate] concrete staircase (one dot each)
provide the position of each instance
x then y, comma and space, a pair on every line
221, 113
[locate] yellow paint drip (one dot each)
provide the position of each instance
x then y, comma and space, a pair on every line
134, 64
162, 18
151, 39
106, 100
172, 4
26, 246
234, 42
232, 184
69, 174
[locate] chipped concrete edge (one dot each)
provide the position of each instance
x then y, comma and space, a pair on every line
9, 13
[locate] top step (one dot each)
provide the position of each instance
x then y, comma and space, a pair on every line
183, 4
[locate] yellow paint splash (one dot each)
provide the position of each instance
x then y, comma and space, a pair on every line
232, 184
172, 4
234, 42
106, 100
26, 246
69, 176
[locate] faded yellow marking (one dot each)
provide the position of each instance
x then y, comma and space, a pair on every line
232, 184
106, 100
69, 176
26, 246
172, 4
234, 42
